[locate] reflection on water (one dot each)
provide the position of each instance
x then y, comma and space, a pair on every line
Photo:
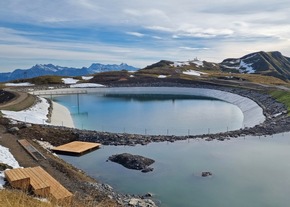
246, 171
152, 114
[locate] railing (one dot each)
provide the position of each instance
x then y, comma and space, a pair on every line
42, 93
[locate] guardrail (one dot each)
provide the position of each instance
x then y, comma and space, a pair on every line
41, 93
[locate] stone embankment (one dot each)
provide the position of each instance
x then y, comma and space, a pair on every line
124, 199
276, 121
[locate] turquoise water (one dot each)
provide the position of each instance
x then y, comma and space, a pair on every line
246, 172
152, 114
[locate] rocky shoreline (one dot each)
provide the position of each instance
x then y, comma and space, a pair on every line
124, 199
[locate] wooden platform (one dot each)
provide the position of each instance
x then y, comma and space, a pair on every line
76, 148
40, 182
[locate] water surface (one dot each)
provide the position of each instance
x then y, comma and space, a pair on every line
152, 114
248, 171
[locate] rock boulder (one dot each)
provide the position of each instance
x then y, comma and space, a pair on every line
135, 162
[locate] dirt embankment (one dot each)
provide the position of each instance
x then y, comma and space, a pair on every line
73, 179
15, 100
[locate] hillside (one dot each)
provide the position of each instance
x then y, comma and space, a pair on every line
265, 63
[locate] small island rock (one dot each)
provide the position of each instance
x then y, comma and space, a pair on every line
135, 162
206, 174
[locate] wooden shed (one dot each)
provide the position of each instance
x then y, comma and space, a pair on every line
40, 182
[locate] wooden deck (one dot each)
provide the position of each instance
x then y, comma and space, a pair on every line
40, 182
76, 148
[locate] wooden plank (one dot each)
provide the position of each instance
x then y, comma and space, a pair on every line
76, 147
39, 184
57, 191
31, 150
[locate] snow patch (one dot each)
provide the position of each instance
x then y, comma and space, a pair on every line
7, 158
162, 76
87, 85
69, 80
180, 63
37, 114
234, 61
44, 144
19, 84
87, 77
246, 67
193, 72
251, 56
197, 62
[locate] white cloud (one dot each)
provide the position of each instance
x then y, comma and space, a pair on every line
227, 27
193, 48
137, 34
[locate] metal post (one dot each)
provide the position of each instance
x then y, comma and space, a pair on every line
78, 103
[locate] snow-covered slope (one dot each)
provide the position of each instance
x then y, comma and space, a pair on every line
266, 63
243, 65
7, 158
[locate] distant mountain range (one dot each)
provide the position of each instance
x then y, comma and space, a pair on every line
50, 69
265, 63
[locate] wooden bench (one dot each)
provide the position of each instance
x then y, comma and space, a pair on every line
40, 182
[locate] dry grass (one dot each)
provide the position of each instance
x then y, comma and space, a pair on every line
13, 198
17, 198
254, 78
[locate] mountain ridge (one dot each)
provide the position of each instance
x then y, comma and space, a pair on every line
266, 63
50, 69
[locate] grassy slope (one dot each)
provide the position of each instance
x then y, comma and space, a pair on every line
16, 198
283, 97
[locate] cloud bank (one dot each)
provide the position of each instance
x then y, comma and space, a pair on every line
79, 32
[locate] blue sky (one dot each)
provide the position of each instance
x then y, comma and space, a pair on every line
79, 32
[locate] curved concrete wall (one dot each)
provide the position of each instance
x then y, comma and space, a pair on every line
253, 113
